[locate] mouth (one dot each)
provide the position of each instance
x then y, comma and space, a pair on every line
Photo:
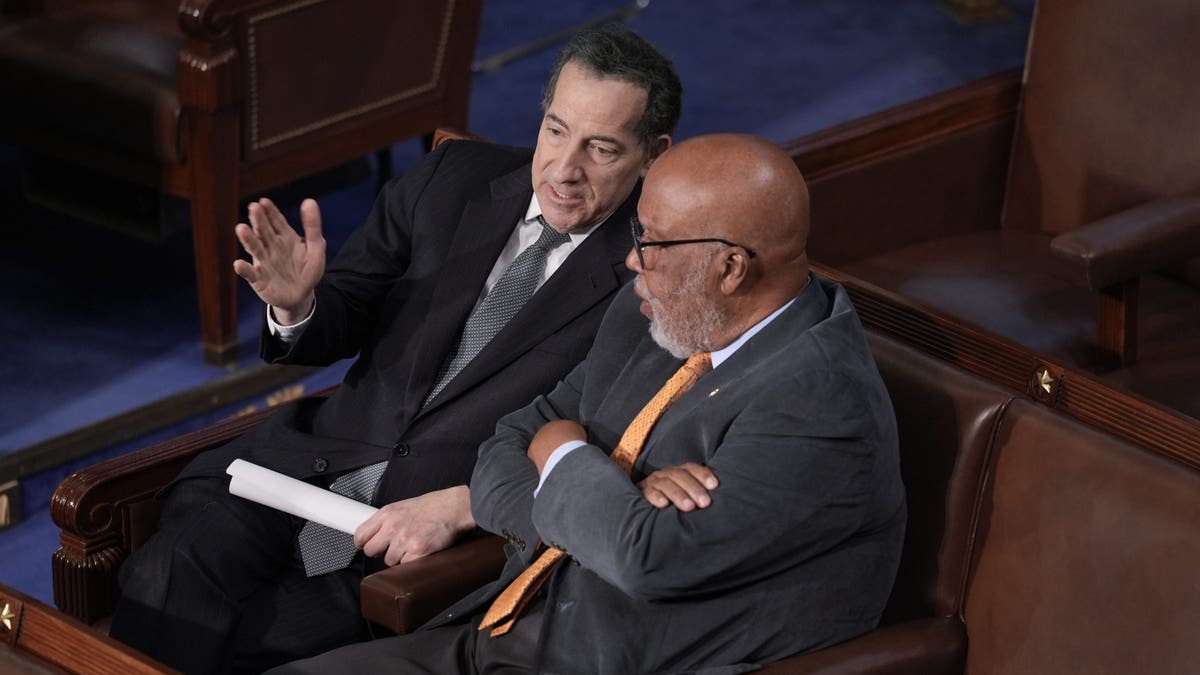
646, 309
564, 198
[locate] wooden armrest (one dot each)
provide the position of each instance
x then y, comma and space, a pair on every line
1123, 246
403, 597
926, 646
108, 509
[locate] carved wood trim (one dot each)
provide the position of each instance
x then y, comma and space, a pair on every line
91, 508
85, 574
40, 636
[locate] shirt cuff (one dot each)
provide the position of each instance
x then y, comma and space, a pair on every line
554, 458
289, 334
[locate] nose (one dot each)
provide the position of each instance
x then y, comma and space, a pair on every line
632, 261
569, 167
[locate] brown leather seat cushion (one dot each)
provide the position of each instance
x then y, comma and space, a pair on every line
1085, 554
115, 60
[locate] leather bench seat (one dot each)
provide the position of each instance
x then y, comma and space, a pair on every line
1084, 556
116, 61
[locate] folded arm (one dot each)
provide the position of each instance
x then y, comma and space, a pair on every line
796, 480
505, 478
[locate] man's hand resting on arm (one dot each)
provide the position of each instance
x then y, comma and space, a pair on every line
284, 267
685, 486
413, 528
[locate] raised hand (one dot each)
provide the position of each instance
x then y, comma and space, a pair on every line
413, 528
284, 267
685, 486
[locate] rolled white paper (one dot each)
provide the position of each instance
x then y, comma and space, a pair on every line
271, 488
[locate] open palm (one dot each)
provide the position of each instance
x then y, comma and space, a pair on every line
284, 267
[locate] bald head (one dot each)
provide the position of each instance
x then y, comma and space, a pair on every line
742, 188
739, 189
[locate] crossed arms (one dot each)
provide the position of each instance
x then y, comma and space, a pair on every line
795, 481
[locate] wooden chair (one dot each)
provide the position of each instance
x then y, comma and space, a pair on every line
1059, 208
217, 101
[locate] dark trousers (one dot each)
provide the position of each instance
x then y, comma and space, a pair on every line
220, 588
457, 649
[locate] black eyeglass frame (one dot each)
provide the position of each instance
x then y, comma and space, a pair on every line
637, 231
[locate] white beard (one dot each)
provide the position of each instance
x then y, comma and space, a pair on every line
690, 326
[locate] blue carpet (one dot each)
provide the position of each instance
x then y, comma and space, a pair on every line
98, 324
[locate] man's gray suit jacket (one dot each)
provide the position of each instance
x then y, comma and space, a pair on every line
397, 295
800, 545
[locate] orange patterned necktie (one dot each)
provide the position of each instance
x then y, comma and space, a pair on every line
503, 613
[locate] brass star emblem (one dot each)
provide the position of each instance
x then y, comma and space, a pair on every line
1045, 381
6, 617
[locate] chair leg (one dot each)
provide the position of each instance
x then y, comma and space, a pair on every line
214, 214
1116, 330
214, 151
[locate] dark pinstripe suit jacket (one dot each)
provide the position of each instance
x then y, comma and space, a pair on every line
398, 294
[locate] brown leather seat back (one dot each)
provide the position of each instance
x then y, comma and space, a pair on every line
1109, 114
946, 421
1084, 555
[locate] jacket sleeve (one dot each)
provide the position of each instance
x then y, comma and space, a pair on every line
359, 278
504, 478
802, 468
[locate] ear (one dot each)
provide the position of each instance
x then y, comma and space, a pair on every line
735, 266
658, 147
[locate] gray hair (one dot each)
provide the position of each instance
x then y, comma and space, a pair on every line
616, 52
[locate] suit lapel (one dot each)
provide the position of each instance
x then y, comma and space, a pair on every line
588, 276
486, 224
765, 349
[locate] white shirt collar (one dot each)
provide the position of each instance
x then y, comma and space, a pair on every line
720, 355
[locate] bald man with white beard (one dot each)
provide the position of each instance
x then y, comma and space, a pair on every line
762, 515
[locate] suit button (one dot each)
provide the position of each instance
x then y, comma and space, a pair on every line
513, 539
320, 464
402, 449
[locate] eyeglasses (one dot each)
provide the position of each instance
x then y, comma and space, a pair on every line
638, 244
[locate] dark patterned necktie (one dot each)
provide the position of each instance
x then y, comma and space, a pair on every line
507, 607
324, 549
508, 296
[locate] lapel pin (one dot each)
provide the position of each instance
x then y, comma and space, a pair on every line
713, 392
